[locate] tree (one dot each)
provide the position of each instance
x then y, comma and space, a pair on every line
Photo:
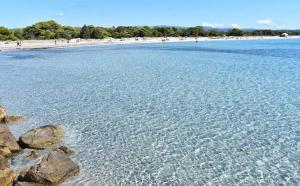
86, 31
214, 33
52, 30
147, 31
18, 33
42, 30
100, 33
197, 31
6, 34
235, 32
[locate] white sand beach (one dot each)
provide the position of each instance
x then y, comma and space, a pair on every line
62, 43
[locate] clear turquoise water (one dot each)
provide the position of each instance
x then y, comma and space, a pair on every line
211, 113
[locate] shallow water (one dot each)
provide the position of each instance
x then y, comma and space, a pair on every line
208, 113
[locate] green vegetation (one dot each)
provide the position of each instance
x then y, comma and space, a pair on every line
53, 30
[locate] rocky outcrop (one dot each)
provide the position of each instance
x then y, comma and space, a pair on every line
33, 154
3, 162
4, 118
53, 169
8, 143
66, 150
2, 115
42, 137
7, 176
28, 184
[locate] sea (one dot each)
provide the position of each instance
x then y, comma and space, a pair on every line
186, 113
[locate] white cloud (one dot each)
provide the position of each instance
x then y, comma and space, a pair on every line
61, 14
234, 25
215, 25
267, 22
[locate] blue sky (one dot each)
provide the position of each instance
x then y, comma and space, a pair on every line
275, 14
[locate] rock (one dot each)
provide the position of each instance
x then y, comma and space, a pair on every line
66, 150
8, 143
3, 163
2, 114
4, 151
54, 168
28, 184
32, 154
42, 137
7, 177
14, 119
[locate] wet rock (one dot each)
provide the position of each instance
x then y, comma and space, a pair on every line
8, 143
3, 162
28, 184
32, 154
7, 177
14, 119
54, 168
66, 150
2, 114
4, 151
42, 137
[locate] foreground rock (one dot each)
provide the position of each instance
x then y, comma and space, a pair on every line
7, 176
3, 162
41, 137
66, 150
8, 143
2, 114
28, 184
54, 168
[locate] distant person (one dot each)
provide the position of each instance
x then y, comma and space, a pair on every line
18, 43
55, 42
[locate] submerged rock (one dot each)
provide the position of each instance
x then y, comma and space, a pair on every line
54, 168
8, 143
14, 119
66, 150
42, 137
32, 154
2, 114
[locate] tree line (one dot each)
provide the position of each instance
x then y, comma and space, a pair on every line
53, 30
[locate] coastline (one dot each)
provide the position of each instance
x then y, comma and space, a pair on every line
62, 43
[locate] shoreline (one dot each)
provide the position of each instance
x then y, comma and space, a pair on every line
62, 43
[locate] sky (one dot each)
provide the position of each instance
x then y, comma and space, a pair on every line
262, 14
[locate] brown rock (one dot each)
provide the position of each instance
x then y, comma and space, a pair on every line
33, 154
7, 177
28, 184
8, 142
3, 163
2, 114
42, 137
66, 150
4, 151
54, 168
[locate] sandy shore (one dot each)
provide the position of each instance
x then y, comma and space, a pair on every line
39, 44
